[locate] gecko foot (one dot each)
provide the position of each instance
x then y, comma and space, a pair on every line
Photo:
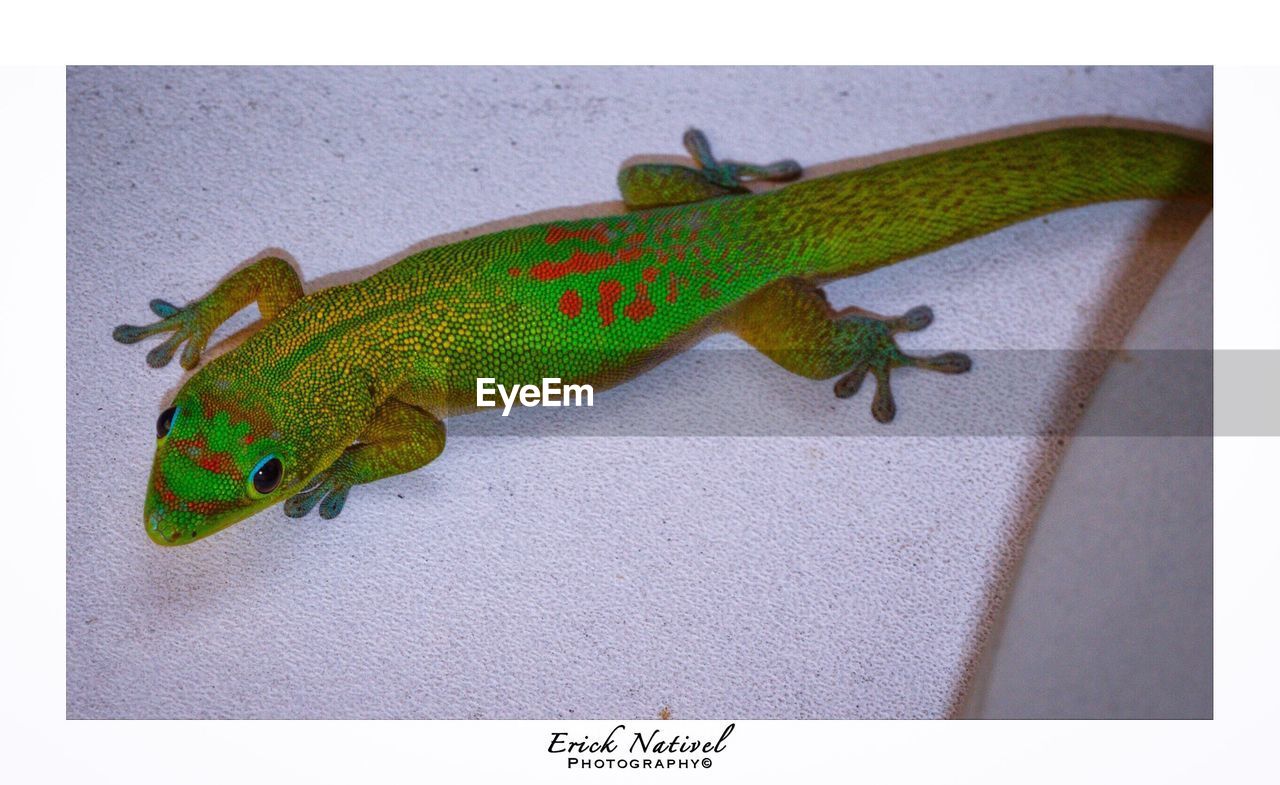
182, 322
878, 354
329, 486
731, 174
655, 185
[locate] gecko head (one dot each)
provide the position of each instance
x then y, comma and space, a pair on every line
217, 462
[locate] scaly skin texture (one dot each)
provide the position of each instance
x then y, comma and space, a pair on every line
351, 384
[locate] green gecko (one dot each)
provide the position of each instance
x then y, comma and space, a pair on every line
352, 384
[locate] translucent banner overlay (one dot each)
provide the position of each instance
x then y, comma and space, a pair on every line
739, 392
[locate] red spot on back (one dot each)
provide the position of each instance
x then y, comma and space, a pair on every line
571, 303
596, 234
640, 308
650, 274
630, 253
514, 272
610, 291
581, 262
673, 287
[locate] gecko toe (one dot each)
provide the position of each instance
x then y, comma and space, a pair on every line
298, 505
325, 489
191, 353
912, 321
882, 406
948, 362
129, 333
160, 356
163, 308
333, 503
776, 172
848, 385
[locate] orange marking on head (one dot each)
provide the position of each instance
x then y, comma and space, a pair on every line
650, 274
257, 418
219, 463
208, 507
198, 442
162, 488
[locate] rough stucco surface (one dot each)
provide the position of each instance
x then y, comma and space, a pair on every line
560, 576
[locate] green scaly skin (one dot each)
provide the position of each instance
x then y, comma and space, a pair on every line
351, 384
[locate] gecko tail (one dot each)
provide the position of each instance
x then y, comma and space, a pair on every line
868, 218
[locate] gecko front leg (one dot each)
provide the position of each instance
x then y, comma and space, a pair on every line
269, 281
400, 438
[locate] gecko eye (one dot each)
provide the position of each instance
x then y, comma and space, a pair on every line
165, 421
266, 475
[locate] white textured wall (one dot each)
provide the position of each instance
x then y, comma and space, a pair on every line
1111, 613
809, 576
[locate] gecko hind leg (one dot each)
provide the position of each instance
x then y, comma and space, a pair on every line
269, 281
400, 438
656, 185
792, 323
